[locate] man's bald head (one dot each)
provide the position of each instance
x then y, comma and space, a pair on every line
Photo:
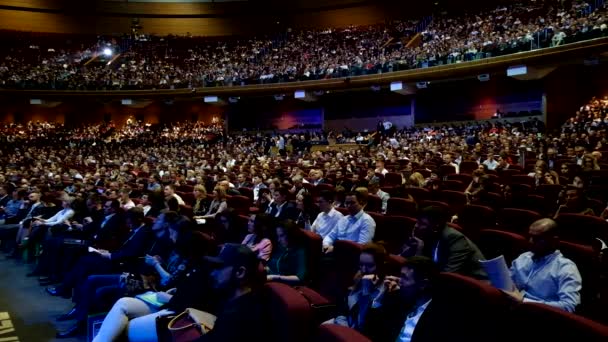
543, 237
543, 226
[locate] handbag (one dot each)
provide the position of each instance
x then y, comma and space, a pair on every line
190, 325
133, 284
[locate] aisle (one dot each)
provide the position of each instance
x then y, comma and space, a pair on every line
31, 310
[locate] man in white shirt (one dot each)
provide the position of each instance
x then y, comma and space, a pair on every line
329, 217
405, 302
490, 163
170, 192
448, 159
358, 226
380, 167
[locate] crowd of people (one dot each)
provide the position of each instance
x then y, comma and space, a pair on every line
134, 216
36, 61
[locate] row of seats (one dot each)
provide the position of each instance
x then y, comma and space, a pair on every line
465, 310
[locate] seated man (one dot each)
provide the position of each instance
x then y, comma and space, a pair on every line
329, 217
374, 189
449, 248
357, 226
544, 275
405, 310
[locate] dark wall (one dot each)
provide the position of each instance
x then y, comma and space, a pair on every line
570, 87
74, 112
217, 19
475, 100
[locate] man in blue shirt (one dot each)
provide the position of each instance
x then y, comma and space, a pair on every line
544, 275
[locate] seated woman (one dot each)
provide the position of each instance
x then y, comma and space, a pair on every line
367, 286
199, 207
182, 274
218, 204
288, 261
258, 227
308, 210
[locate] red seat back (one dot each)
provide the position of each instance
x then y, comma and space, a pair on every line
541, 322
493, 243
290, 315
517, 220
338, 333
401, 206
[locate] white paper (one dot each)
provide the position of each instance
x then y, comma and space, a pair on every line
498, 273
93, 250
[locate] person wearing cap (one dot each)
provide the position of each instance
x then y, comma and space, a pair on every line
234, 278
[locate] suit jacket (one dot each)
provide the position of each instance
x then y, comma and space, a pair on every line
440, 321
289, 211
4, 200
111, 235
137, 245
456, 253
26, 216
243, 185
384, 324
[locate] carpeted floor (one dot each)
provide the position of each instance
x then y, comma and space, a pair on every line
31, 310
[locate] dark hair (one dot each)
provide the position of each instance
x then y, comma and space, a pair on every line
291, 230
193, 245
114, 204
327, 195
361, 196
380, 255
423, 267
172, 204
262, 225
435, 214
308, 201
135, 214
282, 191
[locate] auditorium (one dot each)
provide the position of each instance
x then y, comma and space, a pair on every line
303, 171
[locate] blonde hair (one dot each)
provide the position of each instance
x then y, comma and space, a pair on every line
201, 189
416, 179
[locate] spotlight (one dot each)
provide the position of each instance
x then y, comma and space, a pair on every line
107, 52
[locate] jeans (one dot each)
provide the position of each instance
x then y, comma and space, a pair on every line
133, 315
97, 290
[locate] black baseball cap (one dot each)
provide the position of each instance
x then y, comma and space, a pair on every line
233, 254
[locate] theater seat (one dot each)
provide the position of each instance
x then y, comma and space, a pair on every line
472, 310
401, 207
346, 255
581, 229
374, 204
240, 204
338, 333
393, 179
517, 220
473, 218
314, 245
540, 322
587, 260
289, 314
494, 243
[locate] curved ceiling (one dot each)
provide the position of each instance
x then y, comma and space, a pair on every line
184, 8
